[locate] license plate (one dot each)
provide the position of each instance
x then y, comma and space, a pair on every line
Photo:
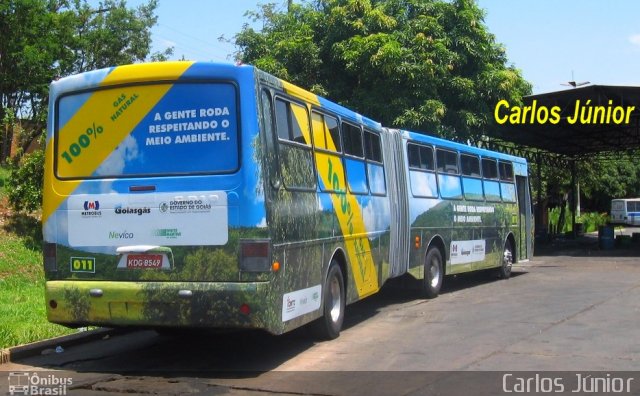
143, 261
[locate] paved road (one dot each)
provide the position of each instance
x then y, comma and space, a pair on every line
575, 310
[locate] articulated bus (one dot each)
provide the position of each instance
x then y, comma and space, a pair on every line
188, 194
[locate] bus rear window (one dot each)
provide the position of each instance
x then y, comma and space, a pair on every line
147, 130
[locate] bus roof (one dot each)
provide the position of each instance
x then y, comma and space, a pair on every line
422, 138
321, 102
147, 72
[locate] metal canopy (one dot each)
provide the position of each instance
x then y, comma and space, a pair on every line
578, 140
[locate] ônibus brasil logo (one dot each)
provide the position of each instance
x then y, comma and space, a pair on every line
24, 383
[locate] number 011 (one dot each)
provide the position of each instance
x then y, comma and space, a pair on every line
83, 264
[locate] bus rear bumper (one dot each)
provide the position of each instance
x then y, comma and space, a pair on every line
162, 304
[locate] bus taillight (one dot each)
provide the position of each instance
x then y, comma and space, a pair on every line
255, 254
49, 253
245, 309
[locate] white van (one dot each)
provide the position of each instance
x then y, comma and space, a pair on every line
625, 211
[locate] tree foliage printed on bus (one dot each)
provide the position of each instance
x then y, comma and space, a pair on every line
189, 194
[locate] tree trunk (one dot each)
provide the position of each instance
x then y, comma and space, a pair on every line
6, 136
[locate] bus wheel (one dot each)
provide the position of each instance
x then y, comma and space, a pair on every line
433, 273
504, 271
329, 325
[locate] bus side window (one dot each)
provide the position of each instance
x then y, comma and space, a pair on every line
318, 129
294, 148
470, 165
447, 161
354, 158
375, 168
471, 182
489, 169
490, 182
506, 171
448, 179
507, 188
282, 119
421, 171
326, 134
270, 152
420, 157
352, 136
292, 122
326, 140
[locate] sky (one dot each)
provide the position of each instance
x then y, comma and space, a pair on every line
550, 41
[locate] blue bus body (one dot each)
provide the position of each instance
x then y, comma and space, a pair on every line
187, 194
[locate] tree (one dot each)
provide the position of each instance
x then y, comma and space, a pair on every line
46, 39
601, 181
27, 56
428, 65
108, 35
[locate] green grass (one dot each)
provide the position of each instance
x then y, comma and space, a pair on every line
22, 306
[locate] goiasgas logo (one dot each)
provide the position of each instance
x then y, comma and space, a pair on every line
91, 209
25, 383
132, 211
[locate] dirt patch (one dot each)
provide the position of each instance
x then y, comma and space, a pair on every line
5, 211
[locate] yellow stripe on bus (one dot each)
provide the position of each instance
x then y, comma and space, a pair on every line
300, 93
101, 124
346, 206
349, 213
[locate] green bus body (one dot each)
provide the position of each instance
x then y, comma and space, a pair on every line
189, 194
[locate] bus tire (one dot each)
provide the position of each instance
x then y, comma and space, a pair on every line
433, 273
333, 296
504, 272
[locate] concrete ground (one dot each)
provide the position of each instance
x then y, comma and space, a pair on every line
573, 308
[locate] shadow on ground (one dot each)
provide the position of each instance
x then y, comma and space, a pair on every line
588, 245
209, 354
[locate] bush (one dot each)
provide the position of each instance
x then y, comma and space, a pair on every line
593, 220
24, 185
554, 220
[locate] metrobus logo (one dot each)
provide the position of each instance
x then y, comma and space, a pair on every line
91, 209
91, 205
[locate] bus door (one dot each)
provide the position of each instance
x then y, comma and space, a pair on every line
525, 223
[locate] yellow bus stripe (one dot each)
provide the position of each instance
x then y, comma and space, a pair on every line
94, 114
346, 205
